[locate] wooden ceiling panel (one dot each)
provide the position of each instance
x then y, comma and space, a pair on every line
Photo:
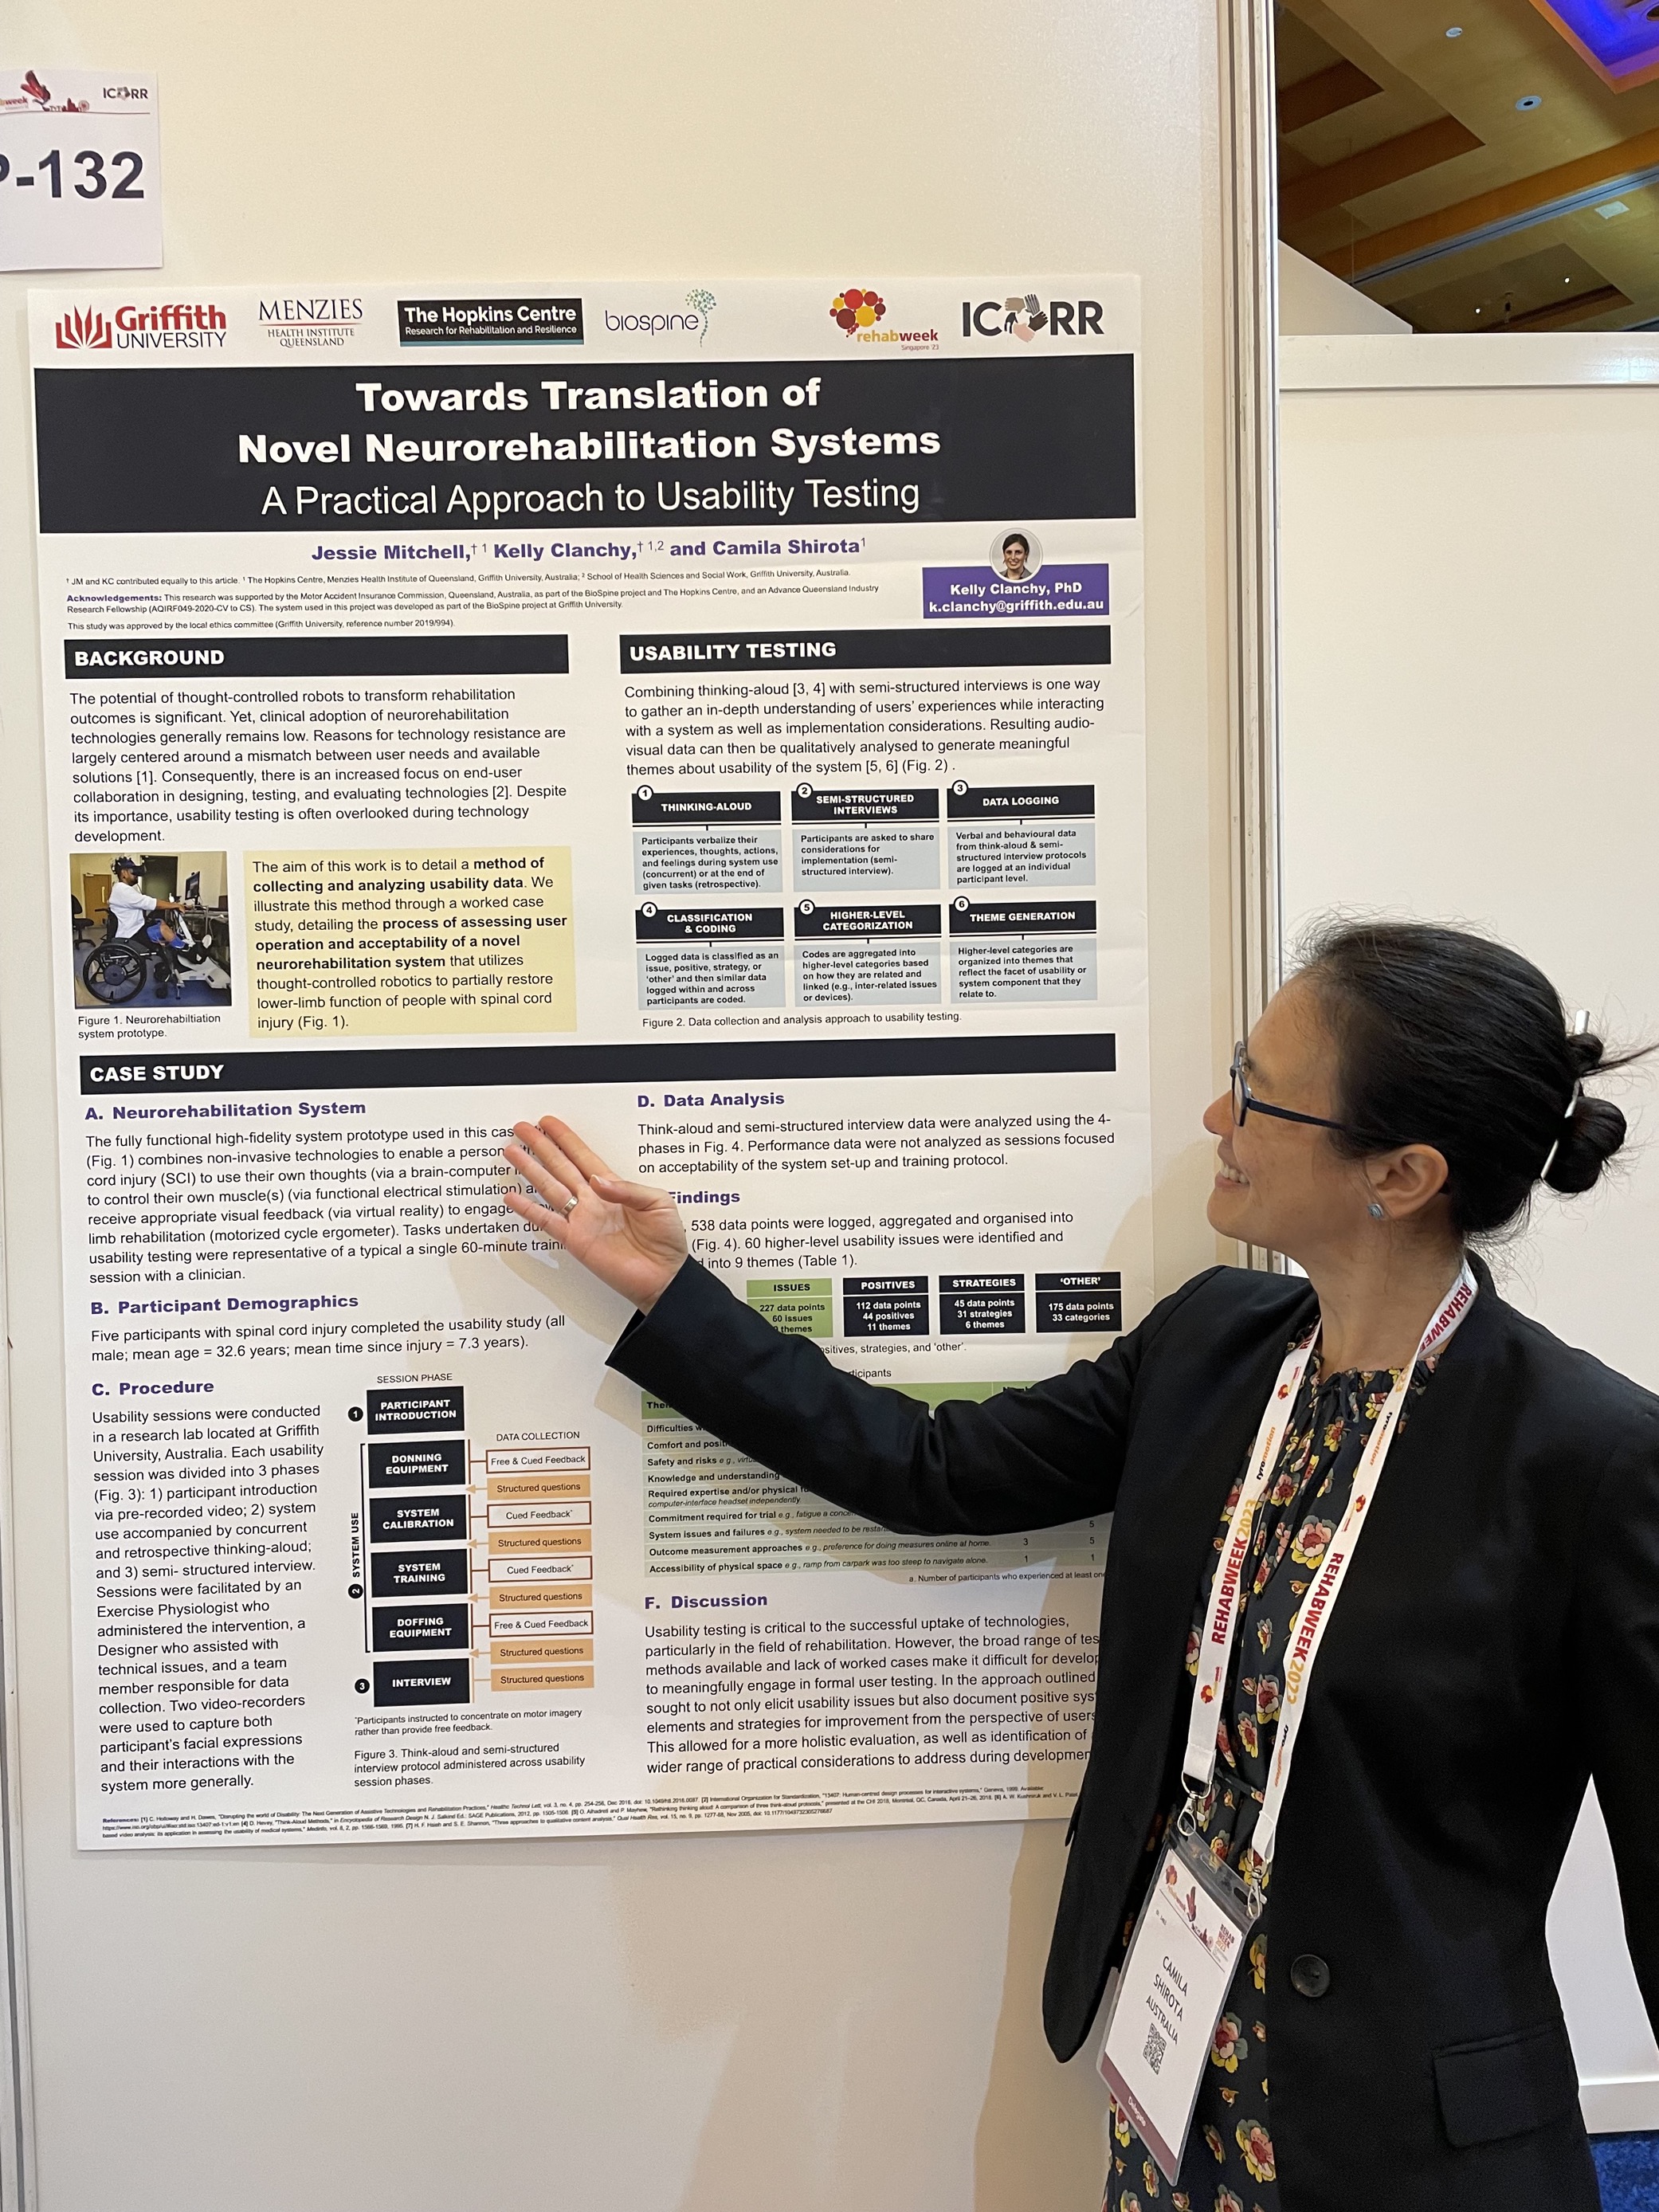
1549, 288
1426, 148
1327, 92
1359, 206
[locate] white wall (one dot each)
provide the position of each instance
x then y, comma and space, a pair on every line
1312, 303
834, 2023
1470, 702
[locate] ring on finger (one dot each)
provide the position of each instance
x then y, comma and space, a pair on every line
570, 1206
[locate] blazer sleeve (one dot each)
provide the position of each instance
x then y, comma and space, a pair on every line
1618, 1686
1025, 1459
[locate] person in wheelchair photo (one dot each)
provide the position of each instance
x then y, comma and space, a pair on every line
152, 940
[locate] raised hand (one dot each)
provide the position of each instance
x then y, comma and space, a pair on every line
631, 1237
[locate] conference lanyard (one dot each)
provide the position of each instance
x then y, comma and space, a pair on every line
1227, 1590
1164, 2004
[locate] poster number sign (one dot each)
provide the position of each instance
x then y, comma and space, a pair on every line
79, 170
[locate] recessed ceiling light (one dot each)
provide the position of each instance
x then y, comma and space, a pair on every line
1609, 209
1530, 99
1454, 30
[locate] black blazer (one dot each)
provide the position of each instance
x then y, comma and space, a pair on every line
1496, 1644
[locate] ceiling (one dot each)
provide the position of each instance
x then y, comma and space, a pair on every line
1465, 163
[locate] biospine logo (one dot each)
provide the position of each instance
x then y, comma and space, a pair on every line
650, 323
181, 325
1022, 315
77, 330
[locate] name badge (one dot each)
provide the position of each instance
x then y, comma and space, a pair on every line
1170, 1992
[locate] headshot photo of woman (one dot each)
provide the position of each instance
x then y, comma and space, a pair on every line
1015, 564
1381, 1599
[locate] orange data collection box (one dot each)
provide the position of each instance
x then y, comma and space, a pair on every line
552, 1651
522, 1489
505, 1542
541, 1678
554, 1594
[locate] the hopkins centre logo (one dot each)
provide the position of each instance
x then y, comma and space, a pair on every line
490, 322
189, 325
1024, 316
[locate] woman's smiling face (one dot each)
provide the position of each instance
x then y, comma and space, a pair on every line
1283, 1184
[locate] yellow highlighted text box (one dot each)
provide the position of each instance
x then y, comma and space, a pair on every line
453, 942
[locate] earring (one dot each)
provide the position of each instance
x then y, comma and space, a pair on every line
1374, 1210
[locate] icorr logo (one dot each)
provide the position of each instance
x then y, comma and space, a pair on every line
858, 308
1022, 315
77, 330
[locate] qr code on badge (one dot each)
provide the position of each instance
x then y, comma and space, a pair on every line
1156, 2044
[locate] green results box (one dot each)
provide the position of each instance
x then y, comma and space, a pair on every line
800, 1305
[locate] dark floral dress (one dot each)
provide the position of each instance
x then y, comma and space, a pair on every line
1228, 2164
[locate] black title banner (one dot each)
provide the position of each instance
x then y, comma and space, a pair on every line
808, 449
206, 660
132, 1076
1027, 644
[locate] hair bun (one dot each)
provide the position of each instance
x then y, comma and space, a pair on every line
1586, 1051
1590, 1136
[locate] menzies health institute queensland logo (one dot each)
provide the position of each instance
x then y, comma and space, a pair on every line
318, 321
191, 326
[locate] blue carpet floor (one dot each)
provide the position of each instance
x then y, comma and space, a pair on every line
1629, 2167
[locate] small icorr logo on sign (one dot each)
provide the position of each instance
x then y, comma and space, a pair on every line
77, 330
857, 309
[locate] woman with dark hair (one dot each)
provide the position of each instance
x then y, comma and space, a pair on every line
1388, 2038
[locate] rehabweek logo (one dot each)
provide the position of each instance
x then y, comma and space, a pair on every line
862, 314
1024, 316
189, 325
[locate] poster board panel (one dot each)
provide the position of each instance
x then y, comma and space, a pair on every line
715, 716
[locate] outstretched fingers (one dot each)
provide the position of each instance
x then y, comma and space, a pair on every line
543, 1166
571, 1147
550, 1220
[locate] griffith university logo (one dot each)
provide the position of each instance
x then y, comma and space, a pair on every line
858, 308
172, 327
78, 328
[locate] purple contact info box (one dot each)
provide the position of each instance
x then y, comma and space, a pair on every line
979, 594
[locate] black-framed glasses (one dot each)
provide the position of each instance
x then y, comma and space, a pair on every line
1246, 1102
